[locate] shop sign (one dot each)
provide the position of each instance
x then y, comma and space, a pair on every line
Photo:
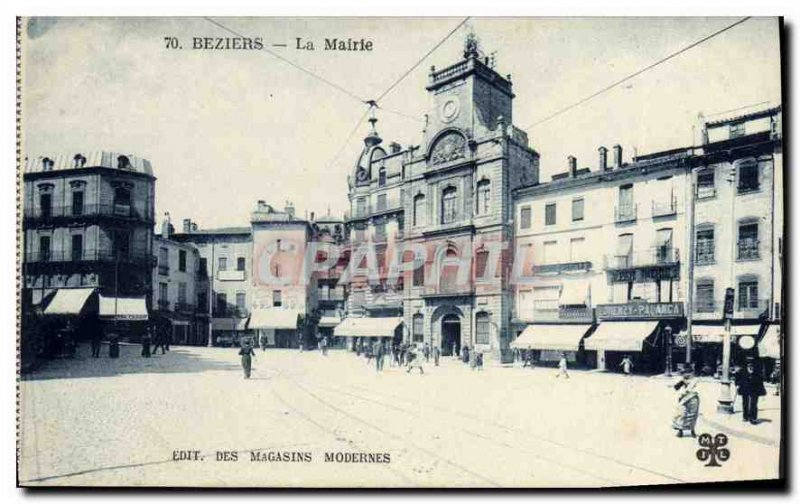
640, 311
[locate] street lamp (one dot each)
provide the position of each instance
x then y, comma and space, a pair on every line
668, 336
725, 403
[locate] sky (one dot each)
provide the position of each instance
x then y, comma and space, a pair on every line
224, 129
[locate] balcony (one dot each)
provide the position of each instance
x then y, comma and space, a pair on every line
369, 209
331, 295
555, 269
654, 256
88, 255
750, 308
163, 304
70, 212
747, 250
625, 213
665, 208
163, 269
184, 307
704, 253
705, 306
230, 275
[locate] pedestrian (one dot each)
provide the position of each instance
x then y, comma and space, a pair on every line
146, 339
455, 350
158, 341
113, 345
415, 360
247, 353
379, 352
626, 365
479, 361
685, 417
473, 359
324, 345
167, 338
751, 386
358, 347
96, 343
426, 351
436, 355
562, 366
465, 354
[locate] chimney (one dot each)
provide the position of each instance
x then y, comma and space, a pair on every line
289, 209
617, 156
165, 225
312, 216
194, 227
395, 147
573, 166
603, 161
187, 225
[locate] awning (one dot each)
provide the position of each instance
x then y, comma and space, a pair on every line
368, 327
770, 345
68, 302
228, 324
274, 318
123, 308
564, 337
574, 293
716, 332
329, 321
621, 336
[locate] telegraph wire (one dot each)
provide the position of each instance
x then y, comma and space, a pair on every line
349, 137
638, 72
415, 65
293, 64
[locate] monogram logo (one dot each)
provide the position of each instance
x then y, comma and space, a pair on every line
712, 449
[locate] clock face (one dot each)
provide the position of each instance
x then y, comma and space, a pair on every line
449, 109
361, 175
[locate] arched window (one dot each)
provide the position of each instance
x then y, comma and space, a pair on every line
382, 176
449, 197
481, 261
78, 161
417, 328
484, 193
123, 162
47, 164
482, 328
448, 271
419, 210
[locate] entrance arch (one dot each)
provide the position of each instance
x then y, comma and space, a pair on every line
451, 334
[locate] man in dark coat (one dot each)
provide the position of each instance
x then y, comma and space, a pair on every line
146, 340
436, 354
96, 342
751, 386
379, 351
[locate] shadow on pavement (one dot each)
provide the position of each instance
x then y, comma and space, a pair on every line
179, 359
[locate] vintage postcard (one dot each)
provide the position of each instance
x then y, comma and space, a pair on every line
400, 252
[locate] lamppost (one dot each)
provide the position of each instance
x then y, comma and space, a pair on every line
725, 403
668, 336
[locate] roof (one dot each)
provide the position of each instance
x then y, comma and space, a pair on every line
85, 160
217, 231
745, 117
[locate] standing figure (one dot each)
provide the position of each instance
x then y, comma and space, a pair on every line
263, 339
426, 351
113, 345
562, 366
473, 358
685, 417
158, 341
455, 350
247, 353
415, 359
95, 343
379, 352
465, 354
436, 354
324, 345
751, 386
479, 361
146, 339
626, 365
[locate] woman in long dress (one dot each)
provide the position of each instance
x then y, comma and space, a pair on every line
685, 417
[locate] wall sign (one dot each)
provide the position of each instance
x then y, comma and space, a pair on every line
640, 311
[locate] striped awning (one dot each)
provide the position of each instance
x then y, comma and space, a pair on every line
716, 332
123, 308
368, 327
621, 336
564, 337
770, 344
274, 318
329, 321
68, 302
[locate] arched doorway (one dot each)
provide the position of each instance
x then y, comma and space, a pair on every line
451, 334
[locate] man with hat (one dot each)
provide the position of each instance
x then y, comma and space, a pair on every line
750, 384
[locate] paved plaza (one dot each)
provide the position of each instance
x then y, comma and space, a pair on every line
108, 422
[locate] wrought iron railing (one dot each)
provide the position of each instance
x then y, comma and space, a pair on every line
747, 249
85, 255
625, 213
654, 256
665, 208
86, 210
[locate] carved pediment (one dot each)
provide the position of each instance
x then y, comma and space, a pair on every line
450, 147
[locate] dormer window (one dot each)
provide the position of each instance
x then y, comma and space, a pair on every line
123, 163
47, 164
736, 130
78, 161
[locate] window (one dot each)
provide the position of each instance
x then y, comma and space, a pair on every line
202, 266
222, 304
47, 164
276, 298
380, 231
417, 327
748, 295
704, 298
163, 256
482, 328
748, 177
484, 195
419, 210
78, 161
748, 241
736, 130
664, 253
46, 205
241, 299
549, 214
123, 162
77, 247
625, 210
182, 292
577, 249
77, 203
121, 244
419, 276
122, 201
577, 210
448, 271
525, 217
181, 260
449, 196
222, 263
481, 261
382, 176
624, 253
381, 202
549, 252
202, 302
705, 184
359, 234
705, 246
163, 293
361, 207
240, 263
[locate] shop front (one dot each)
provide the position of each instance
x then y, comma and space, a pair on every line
276, 327
640, 331
70, 316
363, 332
124, 318
325, 329
550, 341
707, 342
